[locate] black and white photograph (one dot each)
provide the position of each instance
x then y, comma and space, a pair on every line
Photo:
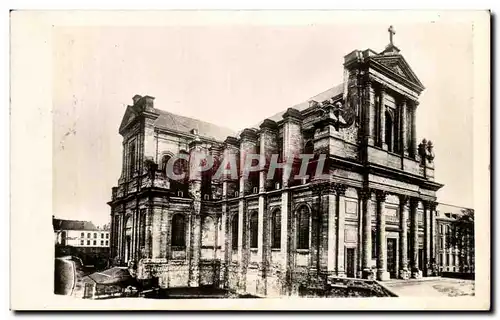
266, 156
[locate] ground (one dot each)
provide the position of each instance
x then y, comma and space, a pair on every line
433, 287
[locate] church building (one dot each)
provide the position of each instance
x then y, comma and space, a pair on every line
372, 216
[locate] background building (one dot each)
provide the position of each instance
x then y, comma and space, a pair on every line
82, 239
455, 240
79, 234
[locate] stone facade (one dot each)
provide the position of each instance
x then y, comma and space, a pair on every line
372, 214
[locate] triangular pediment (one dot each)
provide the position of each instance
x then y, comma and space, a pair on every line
397, 66
128, 117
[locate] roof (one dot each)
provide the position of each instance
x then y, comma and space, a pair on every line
168, 120
60, 224
111, 276
325, 95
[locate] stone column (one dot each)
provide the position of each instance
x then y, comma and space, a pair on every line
451, 249
359, 247
365, 196
433, 237
248, 146
268, 147
383, 143
321, 207
382, 273
241, 244
119, 240
340, 190
403, 238
156, 221
413, 150
427, 239
444, 250
112, 234
292, 141
261, 283
284, 241
196, 154
194, 281
404, 128
369, 119
415, 272
148, 241
224, 244
332, 236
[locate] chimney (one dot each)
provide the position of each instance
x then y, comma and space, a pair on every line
149, 102
136, 98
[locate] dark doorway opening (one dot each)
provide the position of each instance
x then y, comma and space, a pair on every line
391, 257
351, 262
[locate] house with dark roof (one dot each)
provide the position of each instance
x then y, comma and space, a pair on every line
77, 233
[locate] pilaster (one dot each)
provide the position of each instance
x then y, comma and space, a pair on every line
404, 127
415, 271
382, 273
340, 191
332, 232
369, 116
404, 272
413, 110
381, 110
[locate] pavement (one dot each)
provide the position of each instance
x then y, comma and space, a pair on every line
431, 287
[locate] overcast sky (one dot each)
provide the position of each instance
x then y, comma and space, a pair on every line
236, 76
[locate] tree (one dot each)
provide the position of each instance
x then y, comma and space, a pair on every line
461, 237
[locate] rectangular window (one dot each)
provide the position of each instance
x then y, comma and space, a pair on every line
102, 235
88, 235
81, 242
88, 242
447, 259
107, 235
131, 158
254, 228
95, 235
276, 229
107, 243
95, 242
82, 235
102, 243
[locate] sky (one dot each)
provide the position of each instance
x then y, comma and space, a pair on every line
236, 76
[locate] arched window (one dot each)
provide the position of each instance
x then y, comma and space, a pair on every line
181, 166
128, 238
389, 125
234, 232
164, 161
142, 230
208, 232
303, 216
276, 229
178, 231
254, 229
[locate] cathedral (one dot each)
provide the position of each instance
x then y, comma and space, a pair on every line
371, 215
